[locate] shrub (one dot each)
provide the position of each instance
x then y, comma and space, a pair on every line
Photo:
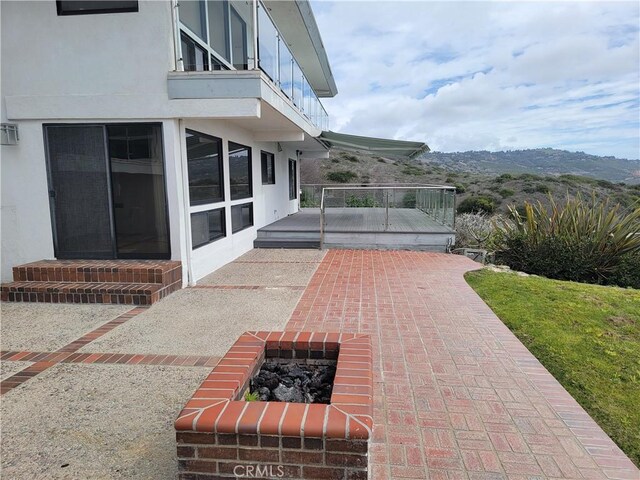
355, 201
460, 188
409, 200
542, 188
503, 178
478, 204
584, 241
412, 170
473, 230
349, 157
506, 192
335, 160
628, 272
341, 176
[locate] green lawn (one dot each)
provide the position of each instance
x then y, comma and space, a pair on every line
587, 336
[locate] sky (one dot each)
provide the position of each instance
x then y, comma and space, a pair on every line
487, 75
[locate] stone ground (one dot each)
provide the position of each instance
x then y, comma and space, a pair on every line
95, 389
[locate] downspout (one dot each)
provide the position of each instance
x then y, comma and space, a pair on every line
186, 206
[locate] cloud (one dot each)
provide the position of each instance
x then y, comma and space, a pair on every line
487, 75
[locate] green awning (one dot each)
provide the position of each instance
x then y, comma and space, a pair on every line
380, 146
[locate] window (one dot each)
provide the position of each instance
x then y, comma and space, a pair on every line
241, 216
207, 227
194, 58
293, 180
240, 171
204, 160
268, 168
220, 30
80, 7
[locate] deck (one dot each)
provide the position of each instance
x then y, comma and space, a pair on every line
407, 228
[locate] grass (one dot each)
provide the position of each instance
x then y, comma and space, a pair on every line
587, 336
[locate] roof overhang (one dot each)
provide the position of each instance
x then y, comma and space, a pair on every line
379, 146
296, 22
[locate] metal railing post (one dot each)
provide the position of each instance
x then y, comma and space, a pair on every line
322, 220
386, 203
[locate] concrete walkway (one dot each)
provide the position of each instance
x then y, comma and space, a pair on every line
457, 396
91, 392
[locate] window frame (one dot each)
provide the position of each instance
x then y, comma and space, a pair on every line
221, 162
264, 155
250, 170
97, 11
223, 223
293, 187
244, 227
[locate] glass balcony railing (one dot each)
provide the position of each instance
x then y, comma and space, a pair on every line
219, 35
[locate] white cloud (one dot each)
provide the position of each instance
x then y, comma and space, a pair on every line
487, 75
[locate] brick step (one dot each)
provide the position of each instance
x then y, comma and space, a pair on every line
87, 292
99, 271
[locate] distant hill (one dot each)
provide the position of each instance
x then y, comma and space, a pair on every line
508, 188
539, 161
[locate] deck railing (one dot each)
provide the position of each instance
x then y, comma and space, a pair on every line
385, 208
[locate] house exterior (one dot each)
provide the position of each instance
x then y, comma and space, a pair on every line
152, 130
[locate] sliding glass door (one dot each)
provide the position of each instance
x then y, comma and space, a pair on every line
107, 191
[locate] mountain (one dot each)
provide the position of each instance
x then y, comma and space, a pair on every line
539, 161
505, 189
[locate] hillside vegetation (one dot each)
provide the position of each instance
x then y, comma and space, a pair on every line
501, 189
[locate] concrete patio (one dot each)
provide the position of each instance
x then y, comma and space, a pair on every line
92, 392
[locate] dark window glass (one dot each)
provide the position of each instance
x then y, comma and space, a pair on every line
293, 180
80, 7
241, 216
194, 57
217, 64
204, 160
268, 168
137, 182
240, 171
192, 15
219, 27
207, 227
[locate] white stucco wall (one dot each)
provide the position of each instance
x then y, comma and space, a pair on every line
121, 53
270, 202
113, 68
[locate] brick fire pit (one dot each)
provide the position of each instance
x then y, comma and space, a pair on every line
219, 435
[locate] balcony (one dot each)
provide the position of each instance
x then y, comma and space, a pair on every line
234, 49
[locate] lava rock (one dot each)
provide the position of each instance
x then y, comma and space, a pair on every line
293, 382
288, 394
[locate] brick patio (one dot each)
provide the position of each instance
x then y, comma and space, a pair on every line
456, 395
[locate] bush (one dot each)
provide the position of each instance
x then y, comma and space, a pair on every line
506, 192
478, 204
542, 188
583, 241
473, 230
409, 200
503, 178
460, 188
341, 176
628, 272
355, 201
412, 170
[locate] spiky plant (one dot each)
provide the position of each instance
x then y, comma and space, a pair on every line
581, 240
